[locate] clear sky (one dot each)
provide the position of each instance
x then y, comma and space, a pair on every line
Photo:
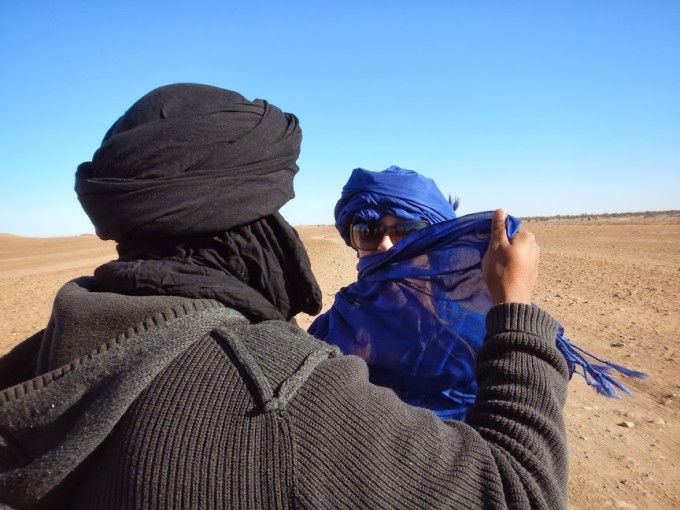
541, 107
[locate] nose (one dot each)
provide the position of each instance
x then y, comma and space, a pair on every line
385, 244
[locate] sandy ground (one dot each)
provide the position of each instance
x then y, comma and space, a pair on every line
614, 284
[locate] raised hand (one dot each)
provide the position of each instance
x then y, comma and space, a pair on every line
510, 266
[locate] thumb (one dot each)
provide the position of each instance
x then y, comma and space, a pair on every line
498, 229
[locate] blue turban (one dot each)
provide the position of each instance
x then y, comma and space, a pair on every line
368, 196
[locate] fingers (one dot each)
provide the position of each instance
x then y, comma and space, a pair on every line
499, 232
510, 267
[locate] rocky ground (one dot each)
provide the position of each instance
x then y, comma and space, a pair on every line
613, 282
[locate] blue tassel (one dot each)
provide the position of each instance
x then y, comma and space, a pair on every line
595, 375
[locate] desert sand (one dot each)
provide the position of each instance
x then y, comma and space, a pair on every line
614, 283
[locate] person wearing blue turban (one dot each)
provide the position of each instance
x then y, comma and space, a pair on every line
416, 313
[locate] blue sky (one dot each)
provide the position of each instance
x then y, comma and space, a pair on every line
541, 107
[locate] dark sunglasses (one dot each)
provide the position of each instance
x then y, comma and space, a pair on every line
367, 236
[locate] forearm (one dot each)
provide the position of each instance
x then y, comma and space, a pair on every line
522, 389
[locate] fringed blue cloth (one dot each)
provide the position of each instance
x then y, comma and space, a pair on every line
417, 314
596, 375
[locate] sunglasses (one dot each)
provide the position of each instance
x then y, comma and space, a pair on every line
367, 236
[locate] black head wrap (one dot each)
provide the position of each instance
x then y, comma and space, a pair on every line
189, 182
188, 159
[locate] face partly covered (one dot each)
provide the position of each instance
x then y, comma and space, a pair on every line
369, 238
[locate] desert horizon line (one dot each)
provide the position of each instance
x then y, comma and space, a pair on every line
581, 216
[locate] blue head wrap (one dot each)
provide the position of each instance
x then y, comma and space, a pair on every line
368, 196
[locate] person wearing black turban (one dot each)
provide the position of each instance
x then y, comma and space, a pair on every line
175, 377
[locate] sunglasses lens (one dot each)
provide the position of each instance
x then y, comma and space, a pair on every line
366, 236
401, 230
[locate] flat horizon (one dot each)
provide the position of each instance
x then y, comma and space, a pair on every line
673, 213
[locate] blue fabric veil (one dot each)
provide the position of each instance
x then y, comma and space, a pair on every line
417, 312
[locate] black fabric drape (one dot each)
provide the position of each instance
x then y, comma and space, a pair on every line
261, 270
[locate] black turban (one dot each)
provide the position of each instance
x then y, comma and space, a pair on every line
189, 182
188, 159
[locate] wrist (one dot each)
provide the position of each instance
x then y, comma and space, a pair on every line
520, 316
511, 297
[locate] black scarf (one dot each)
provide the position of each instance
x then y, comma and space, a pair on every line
261, 270
189, 182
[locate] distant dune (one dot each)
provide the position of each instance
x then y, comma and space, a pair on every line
616, 217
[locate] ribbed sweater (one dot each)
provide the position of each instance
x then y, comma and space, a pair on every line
191, 406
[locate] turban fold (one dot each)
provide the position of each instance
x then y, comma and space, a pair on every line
368, 196
190, 159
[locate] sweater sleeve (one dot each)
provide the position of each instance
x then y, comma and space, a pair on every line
358, 445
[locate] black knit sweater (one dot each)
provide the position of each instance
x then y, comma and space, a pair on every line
188, 405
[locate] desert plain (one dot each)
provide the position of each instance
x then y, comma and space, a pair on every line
612, 281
